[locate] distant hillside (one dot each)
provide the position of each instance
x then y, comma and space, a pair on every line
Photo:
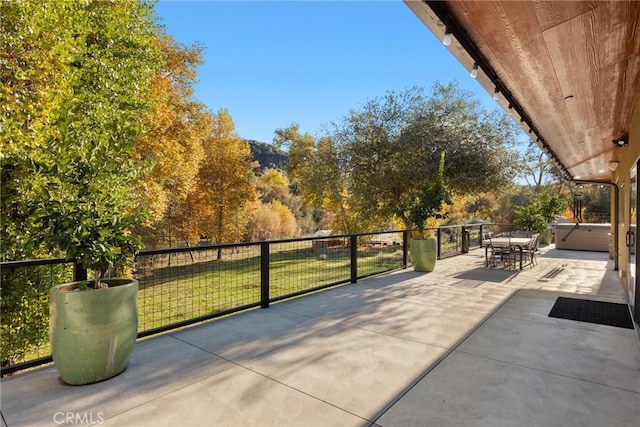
268, 155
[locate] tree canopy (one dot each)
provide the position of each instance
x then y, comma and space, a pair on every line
76, 90
176, 129
226, 181
379, 156
74, 80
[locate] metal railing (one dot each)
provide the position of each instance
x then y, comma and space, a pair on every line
182, 286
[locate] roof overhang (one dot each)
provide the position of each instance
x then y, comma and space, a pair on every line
567, 71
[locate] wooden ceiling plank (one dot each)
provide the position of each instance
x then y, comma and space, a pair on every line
545, 50
570, 58
518, 47
516, 43
610, 32
552, 13
628, 89
628, 94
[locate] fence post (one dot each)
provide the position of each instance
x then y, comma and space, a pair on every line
79, 272
480, 236
465, 240
405, 248
354, 258
264, 274
439, 238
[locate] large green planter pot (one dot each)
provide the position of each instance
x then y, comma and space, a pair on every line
424, 253
93, 331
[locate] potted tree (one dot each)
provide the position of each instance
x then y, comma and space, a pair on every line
84, 209
93, 325
80, 153
538, 214
426, 203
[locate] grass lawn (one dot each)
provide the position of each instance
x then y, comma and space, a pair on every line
195, 287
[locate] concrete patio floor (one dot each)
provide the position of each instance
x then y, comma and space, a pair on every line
463, 345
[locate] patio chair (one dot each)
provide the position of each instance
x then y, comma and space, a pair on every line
504, 254
530, 250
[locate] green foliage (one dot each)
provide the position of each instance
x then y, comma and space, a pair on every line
426, 202
73, 91
316, 166
24, 308
392, 146
73, 102
536, 167
529, 218
596, 201
539, 213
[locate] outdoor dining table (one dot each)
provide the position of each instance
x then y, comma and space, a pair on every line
505, 242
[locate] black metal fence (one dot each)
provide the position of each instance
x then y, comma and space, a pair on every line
182, 286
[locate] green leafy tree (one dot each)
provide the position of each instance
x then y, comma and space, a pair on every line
36, 49
74, 80
83, 203
30, 77
316, 166
540, 212
536, 168
393, 144
426, 202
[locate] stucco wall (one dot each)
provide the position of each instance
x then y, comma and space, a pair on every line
628, 157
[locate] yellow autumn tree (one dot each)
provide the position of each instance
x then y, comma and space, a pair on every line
272, 221
315, 165
456, 211
227, 183
173, 145
185, 216
273, 185
263, 224
288, 225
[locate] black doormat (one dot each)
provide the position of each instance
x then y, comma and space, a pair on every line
600, 312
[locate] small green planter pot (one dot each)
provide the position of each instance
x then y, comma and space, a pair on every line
93, 332
424, 253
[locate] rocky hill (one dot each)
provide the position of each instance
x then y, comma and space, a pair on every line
267, 155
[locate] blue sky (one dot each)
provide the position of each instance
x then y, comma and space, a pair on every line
273, 63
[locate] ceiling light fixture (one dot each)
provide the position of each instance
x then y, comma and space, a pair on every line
446, 40
474, 71
622, 140
496, 92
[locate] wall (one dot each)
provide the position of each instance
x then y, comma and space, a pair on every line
628, 156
